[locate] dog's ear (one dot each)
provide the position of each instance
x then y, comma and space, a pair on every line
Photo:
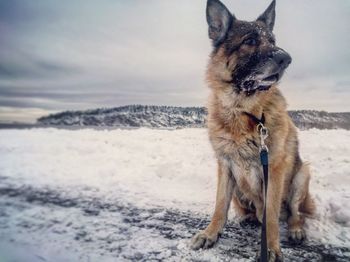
219, 20
268, 17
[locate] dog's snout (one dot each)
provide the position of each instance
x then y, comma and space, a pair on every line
281, 58
270, 54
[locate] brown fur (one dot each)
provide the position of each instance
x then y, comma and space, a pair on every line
236, 142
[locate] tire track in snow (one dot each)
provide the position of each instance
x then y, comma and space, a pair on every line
237, 242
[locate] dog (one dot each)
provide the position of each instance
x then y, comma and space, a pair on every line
244, 69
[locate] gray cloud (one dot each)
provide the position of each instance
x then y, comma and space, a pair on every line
58, 55
33, 68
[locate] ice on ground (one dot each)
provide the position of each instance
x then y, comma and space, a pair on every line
141, 194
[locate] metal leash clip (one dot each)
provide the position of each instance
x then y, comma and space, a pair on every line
264, 133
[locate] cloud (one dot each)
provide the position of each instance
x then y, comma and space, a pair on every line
59, 55
28, 67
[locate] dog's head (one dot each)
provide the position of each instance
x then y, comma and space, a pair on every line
245, 55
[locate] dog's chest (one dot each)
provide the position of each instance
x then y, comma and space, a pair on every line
248, 178
242, 149
243, 159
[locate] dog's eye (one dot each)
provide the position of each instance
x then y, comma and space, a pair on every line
250, 42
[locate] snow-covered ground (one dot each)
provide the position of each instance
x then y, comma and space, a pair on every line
120, 195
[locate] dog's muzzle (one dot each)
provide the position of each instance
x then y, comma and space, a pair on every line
267, 73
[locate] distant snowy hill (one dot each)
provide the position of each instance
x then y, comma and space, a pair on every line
177, 117
131, 116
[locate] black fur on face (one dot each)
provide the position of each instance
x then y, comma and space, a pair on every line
258, 62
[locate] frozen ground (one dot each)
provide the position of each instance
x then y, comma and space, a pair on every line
120, 195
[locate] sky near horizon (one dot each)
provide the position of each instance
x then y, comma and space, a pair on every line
74, 55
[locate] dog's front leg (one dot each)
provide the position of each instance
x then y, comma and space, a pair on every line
208, 237
274, 201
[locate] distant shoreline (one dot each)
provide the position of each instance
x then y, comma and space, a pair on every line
20, 126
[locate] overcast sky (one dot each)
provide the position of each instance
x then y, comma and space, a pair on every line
59, 55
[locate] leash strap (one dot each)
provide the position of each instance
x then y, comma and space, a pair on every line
264, 158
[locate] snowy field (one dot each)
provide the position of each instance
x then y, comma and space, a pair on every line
139, 195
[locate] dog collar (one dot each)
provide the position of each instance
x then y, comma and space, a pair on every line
255, 119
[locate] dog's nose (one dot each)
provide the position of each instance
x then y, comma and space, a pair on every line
281, 58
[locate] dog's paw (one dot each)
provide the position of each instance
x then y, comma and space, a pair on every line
272, 256
203, 240
275, 256
296, 236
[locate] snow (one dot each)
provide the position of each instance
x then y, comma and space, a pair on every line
141, 194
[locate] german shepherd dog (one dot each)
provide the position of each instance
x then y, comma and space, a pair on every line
244, 69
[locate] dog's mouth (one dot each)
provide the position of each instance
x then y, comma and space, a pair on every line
251, 85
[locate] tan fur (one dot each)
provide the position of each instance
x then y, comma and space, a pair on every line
235, 140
